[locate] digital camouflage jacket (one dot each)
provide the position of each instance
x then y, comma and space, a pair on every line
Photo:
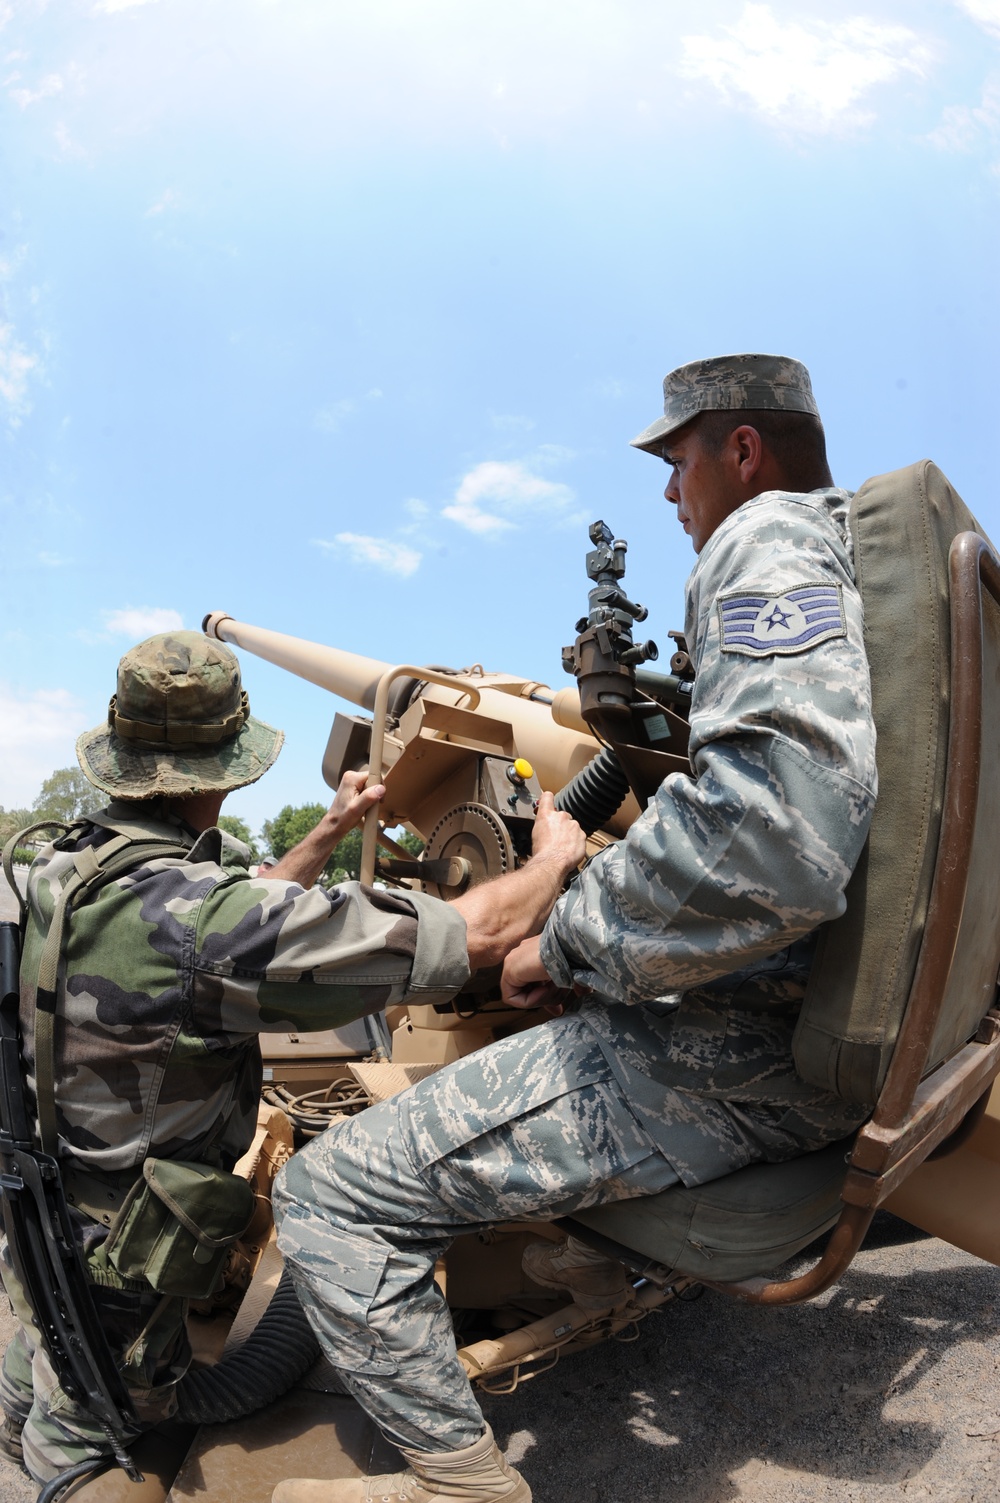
172, 971
717, 886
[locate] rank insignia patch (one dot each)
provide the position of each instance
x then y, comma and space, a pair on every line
762, 625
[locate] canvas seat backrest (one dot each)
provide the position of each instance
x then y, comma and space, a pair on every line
903, 524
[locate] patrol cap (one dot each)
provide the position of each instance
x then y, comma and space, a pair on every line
729, 383
179, 724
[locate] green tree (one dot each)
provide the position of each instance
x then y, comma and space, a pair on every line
347, 856
12, 820
409, 842
290, 825
240, 830
67, 795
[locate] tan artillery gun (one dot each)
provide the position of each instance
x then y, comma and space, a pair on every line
902, 1007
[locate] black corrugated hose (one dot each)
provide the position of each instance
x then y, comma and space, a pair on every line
597, 791
278, 1352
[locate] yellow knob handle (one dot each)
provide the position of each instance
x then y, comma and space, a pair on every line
523, 768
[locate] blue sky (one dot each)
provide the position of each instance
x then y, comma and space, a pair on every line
339, 317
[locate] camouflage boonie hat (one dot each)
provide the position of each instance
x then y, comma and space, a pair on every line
729, 383
179, 724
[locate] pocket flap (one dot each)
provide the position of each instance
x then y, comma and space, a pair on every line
215, 1207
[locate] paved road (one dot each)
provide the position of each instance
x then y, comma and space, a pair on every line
8, 902
886, 1390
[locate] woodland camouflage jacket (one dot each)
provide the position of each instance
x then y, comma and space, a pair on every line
172, 971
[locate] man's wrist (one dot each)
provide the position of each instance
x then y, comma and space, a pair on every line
330, 833
554, 860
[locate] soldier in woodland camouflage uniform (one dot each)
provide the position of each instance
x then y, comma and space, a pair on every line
171, 971
715, 894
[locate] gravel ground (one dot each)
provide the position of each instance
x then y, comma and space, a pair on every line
886, 1389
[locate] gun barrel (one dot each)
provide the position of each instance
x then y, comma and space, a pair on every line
547, 730
348, 674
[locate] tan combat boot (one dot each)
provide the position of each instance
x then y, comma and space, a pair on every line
594, 1281
476, 1474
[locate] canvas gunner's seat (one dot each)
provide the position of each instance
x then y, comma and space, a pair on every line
901, 1005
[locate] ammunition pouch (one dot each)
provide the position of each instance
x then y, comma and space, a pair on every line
176, 1227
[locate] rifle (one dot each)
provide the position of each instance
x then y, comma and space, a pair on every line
41, 1244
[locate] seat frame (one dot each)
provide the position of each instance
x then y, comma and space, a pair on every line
916, 1116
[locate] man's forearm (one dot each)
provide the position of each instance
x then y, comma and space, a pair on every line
304, 862
499, 914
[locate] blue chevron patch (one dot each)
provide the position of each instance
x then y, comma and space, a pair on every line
762, 625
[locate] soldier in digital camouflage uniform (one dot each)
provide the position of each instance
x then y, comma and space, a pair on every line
715, 894
173, 970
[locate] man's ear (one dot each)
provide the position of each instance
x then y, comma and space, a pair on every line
747, 451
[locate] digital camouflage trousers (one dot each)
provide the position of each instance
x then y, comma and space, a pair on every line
535, 1126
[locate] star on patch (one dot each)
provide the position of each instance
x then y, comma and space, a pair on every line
777, 617
761, 624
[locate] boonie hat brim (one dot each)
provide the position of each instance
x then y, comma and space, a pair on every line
128, 771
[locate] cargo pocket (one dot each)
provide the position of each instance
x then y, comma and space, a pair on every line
337, 1275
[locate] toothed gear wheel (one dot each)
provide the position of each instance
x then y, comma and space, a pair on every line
474, 832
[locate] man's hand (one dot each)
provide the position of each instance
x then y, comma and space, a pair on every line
500, 913
351, 803
556, 836
304, 862
526, 983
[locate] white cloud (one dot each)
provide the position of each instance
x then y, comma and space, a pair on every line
68, 147
508, 485
169, 199
418, 511
139, 621
108, 7
985, 13
511, 422
381, 553
804, 76
38, 730
964, 126
50, 85
445, 70
17, 366
52, 560
331, 419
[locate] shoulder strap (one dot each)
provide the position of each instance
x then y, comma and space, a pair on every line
8, 856
94, 868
